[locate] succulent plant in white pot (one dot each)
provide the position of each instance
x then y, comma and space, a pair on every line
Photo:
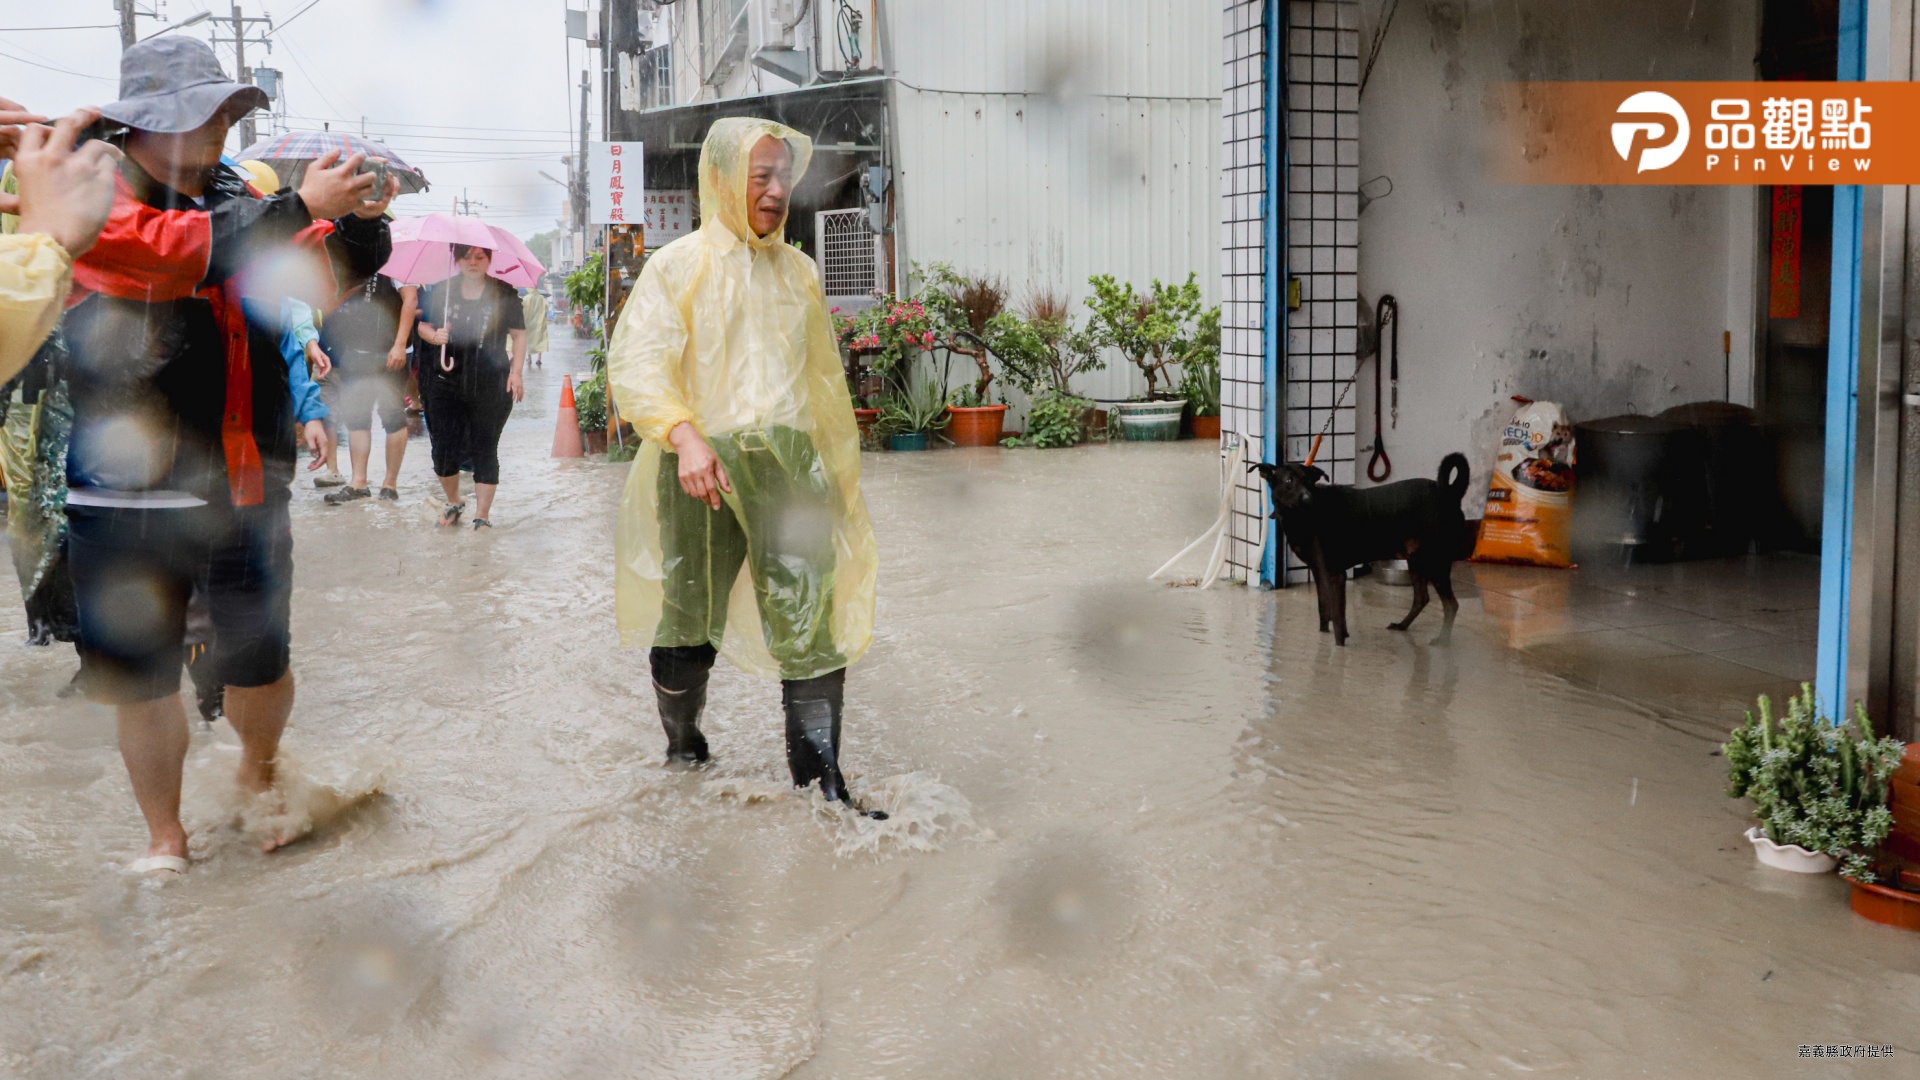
1815, 785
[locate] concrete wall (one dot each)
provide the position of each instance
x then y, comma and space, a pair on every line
1606, 300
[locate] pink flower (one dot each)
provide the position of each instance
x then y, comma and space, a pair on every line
927, 338
890, 320
836, 311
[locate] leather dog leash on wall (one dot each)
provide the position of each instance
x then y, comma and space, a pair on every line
1380, 466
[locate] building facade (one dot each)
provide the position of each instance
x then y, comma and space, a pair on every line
1039, 142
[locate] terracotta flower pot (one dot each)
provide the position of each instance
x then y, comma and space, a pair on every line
1889, 906
979, 426
1206, 427
1904, 841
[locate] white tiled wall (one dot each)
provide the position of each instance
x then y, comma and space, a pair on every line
1243, 175
1321, 241
1323, 235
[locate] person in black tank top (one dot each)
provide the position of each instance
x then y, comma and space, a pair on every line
476, 342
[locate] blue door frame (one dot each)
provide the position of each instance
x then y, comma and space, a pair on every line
1273, 145
1843, 402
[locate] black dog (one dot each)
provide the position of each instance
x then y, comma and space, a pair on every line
1331, 528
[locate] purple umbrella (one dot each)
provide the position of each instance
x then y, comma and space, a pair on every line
290, 154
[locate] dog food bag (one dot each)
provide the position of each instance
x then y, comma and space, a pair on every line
1530, 494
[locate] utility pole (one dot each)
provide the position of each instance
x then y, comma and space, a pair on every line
129, 33
580, 166
243, 73
622, 49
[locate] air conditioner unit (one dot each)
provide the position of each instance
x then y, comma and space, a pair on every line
845, 40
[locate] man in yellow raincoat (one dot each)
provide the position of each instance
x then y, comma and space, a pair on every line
743, 530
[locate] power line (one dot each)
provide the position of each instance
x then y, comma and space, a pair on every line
297, 14
61, 70
294, 55
31, 29
444, 127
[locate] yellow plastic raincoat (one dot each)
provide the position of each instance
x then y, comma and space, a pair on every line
35, 276
729, 331
534, 307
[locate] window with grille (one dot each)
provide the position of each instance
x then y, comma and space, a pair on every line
849, 253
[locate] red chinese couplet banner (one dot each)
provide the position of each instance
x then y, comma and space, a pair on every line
1783, 289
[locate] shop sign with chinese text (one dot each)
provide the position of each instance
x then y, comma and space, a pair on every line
616, 179
1761, 133
669, 215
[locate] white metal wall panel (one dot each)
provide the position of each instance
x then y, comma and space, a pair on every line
1049, 140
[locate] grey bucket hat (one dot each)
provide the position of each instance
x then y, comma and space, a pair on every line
174, 84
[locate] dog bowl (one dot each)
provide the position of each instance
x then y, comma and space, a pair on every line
1392, 572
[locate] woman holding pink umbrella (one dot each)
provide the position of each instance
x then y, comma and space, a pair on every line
470, 378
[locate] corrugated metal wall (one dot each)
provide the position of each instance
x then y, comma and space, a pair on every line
1048, 140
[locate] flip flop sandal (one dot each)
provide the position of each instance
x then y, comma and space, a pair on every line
346, 495
157, 865
482, 523
451, 515
389, 495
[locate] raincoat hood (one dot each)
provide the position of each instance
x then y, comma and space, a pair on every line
723, 173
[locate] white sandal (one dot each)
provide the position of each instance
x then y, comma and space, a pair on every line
158, 864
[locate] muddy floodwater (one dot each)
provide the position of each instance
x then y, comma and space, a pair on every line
1137, 831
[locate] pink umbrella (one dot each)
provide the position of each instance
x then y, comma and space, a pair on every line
423, 254
423, 251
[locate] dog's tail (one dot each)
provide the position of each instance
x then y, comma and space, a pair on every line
1454, 475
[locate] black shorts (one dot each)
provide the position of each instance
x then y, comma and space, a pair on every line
250, 593
361, 387
134, 571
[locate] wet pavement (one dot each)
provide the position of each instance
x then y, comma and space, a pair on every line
1138, 831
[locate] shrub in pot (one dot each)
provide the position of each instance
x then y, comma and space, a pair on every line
1040, 353
590, 403
1156, 331
909, 418
1200, 377
1814, 784
888, 336
1054, 420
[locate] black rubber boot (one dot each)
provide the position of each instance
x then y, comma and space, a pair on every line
680, 687
813, 735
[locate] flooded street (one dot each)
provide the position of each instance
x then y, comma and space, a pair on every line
1137, 831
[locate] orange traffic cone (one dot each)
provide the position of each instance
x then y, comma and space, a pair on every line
566, 430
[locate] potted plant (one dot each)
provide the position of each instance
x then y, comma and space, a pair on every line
1200, 376
590, 400
1151, 330
963, 311
1041, 352
1820, 789
888, 336
909, 417
586, 290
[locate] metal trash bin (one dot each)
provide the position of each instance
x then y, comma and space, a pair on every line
1633, 475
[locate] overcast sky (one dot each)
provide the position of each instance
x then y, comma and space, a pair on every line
481, 95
